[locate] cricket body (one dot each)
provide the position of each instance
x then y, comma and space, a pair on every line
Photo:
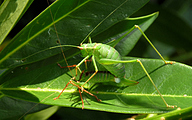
108, 56
101, 52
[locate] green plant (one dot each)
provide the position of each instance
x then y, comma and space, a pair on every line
29, 70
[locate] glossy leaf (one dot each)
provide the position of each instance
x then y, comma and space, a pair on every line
11, 11
172, 81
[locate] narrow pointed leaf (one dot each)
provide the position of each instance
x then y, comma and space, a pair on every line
10, 12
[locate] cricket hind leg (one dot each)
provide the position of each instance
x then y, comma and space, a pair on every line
166, 62
115, 42
109, 61
169, 106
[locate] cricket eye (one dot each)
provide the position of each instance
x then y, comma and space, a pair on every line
80, 48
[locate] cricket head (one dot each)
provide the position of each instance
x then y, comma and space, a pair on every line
89, 48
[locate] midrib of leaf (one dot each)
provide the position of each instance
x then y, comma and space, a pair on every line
96, 92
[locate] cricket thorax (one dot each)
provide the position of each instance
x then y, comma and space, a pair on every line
89, 48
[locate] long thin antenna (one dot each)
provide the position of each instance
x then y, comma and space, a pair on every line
63, 57
59, 38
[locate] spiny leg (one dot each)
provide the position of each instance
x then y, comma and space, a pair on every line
63, 90
76, 66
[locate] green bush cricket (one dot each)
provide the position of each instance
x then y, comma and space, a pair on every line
108, 62
107, 56
111, 60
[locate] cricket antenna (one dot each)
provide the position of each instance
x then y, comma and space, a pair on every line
49, 48
64, 46
58, 37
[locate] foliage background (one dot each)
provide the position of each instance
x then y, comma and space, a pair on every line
176, 46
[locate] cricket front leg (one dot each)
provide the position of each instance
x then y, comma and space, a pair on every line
96, 70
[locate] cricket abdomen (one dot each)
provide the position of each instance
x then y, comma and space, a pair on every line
108, 52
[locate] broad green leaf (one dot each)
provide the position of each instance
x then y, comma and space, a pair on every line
10, 12
171, 80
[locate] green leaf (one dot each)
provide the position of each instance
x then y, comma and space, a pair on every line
179, 113
50, 72
171, 80
10, 12
13, 109
43, 114
125, 46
